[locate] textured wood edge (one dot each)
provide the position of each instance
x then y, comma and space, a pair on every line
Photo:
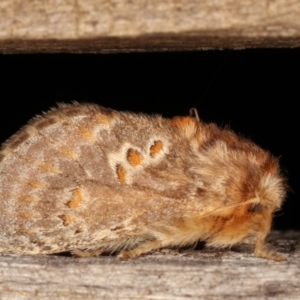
166, 274
97, 26
147, 44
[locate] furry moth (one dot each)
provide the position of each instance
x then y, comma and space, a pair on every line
86, 179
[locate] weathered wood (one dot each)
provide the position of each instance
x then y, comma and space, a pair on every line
187, 274
125, 25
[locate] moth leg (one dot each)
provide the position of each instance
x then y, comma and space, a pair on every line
262, 252
91, 253
143, 248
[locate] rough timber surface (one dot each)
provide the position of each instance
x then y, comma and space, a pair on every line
166, 274
106, 26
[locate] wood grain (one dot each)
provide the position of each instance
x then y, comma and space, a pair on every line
154, 25
167, 274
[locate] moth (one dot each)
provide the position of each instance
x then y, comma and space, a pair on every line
87, 179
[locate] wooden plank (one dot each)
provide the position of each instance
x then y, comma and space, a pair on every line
166, 274
154, 25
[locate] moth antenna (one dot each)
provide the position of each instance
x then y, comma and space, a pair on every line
194, 113
252, 200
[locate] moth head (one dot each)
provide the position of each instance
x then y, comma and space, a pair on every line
230, 167
239, 171
259, 177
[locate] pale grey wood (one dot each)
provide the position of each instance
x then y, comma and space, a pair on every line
126, 25
166, 274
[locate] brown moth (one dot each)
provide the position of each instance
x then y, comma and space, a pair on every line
87, 179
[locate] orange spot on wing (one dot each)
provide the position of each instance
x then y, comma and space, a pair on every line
156, 148
25, 215
121, 173
49, 168
134, 157
35, 183
67, 220
103, 119
77, 199
68, 152
87, 133
26, 199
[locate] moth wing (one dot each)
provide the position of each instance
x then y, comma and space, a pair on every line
74, 176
